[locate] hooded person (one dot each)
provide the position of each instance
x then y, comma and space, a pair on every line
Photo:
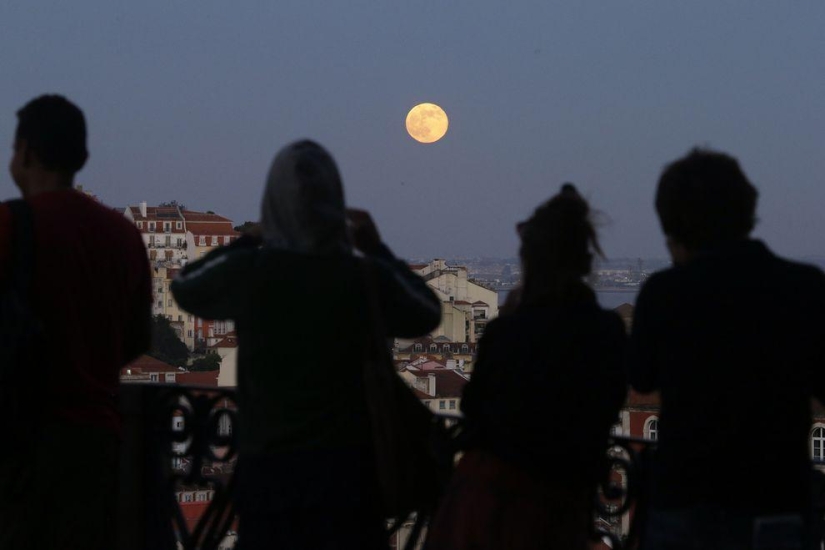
294, 290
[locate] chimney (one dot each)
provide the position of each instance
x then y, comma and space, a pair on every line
143, 209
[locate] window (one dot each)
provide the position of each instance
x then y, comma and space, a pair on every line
418, 347
189, 318
225, 425
160, 290
201, 496
168, 240
160, 303
214, 240
187, 497
446, 348
652, 428
167, 227
189, 333
170, 377
170, 303
433, 348
180, 318
442, 405
140, 225
452, 404
151, 227
177, 424
178, 225
818, 443
226, 239
465, 348
153, 377
202, 240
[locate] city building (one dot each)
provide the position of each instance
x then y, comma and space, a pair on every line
206, 231
163, 230
146, 369
227, 348
174, 236
435, 383
163, 303
439, 348
466, 307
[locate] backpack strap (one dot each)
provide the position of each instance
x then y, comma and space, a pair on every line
22, 245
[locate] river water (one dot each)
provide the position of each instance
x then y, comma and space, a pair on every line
608, 299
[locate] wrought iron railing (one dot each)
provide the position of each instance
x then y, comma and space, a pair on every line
183, 438
176, 439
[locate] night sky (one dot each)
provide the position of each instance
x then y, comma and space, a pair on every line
190, 100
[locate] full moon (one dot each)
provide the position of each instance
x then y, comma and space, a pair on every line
427, 122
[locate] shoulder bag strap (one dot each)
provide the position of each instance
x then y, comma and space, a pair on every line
22, 246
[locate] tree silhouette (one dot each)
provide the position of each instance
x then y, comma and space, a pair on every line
166, 346
209, 362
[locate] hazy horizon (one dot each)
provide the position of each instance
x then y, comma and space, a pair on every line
190, 102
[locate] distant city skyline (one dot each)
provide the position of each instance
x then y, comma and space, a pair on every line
190, 102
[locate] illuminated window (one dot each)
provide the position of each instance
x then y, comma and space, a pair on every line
652, 428
818, 444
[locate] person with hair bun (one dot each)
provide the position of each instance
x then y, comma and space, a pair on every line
547, 387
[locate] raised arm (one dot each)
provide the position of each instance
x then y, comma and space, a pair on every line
211, 287
408, 306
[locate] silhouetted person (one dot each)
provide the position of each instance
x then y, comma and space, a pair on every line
306, 472
91, 294
546, 388
732, 337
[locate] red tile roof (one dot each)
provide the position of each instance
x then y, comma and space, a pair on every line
448, 383
635, 399
192, 216
420, 394
228, 341
155, 213
203, 228
145, 364
201, 378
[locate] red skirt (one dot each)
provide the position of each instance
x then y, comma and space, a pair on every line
491, 504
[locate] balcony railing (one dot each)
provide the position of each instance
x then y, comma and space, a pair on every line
177, 440
181, 440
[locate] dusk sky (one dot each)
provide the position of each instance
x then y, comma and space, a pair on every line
190, 101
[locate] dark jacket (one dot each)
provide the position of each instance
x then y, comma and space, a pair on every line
735, 343
302, 322
547, 387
